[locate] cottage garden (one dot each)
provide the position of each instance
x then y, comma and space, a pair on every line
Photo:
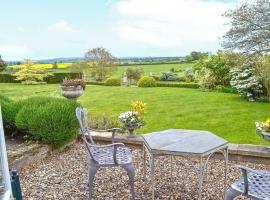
226, 94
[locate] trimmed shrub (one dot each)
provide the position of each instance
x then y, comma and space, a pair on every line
56, 78
53, 122
178, 85
4, 102
111, 81
94, 83
170, 76
147, 81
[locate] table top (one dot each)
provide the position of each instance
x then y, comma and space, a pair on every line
179, 141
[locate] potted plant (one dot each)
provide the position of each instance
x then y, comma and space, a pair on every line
72, 88
263, 129
133, 119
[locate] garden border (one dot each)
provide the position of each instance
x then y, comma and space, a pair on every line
237, 152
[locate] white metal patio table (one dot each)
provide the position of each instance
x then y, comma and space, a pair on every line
186, 143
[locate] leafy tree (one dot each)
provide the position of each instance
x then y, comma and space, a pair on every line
101, 62
263, 71
3, 65
250, 28
213, 70
134, 74
28, 74
195, 55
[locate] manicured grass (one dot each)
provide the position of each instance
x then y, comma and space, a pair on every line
226, 115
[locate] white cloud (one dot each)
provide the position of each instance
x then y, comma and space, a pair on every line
62, 26
14, 52
14, 49
172, 23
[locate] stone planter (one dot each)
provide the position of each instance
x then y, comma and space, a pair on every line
72, 92
265, 135
131, 130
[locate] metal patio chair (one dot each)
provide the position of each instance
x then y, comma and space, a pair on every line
115, 154
254, 184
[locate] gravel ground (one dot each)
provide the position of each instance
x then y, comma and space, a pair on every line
64, 176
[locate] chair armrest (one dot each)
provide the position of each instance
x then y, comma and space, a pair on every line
245, 171
258, 172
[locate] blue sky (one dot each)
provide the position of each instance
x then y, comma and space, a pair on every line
40, 29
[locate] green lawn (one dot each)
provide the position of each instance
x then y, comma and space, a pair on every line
226, 115
156, 69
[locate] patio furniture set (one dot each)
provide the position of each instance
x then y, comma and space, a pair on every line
202, 145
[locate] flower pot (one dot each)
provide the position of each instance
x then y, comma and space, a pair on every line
72, 92
131, 130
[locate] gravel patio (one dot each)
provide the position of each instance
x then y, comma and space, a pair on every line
63, 175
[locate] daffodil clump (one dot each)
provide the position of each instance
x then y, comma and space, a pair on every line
139, 107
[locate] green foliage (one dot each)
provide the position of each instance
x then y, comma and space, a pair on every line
178, 85
246, 82
263, 72
4, 102
170, 76
3, 65
28, 74
195, 55
224, 89
214, 70
103, 122
94, 83
112, 82
56, 78
51, 120
134, 74
146, 81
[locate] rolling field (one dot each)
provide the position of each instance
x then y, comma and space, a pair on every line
226, 115
156, 68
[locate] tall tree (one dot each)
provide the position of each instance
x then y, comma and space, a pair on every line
3, 65
250, 28
101, 62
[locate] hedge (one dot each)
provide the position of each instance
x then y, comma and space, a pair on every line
177, 84
56, 78
94, 83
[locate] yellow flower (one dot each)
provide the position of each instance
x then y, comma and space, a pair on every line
138, 106
268, 121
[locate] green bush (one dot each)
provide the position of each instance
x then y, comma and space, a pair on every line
56, 78
146, 81
221, 88
111, 81
178, 85
53, 122
4, 102
94, 83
